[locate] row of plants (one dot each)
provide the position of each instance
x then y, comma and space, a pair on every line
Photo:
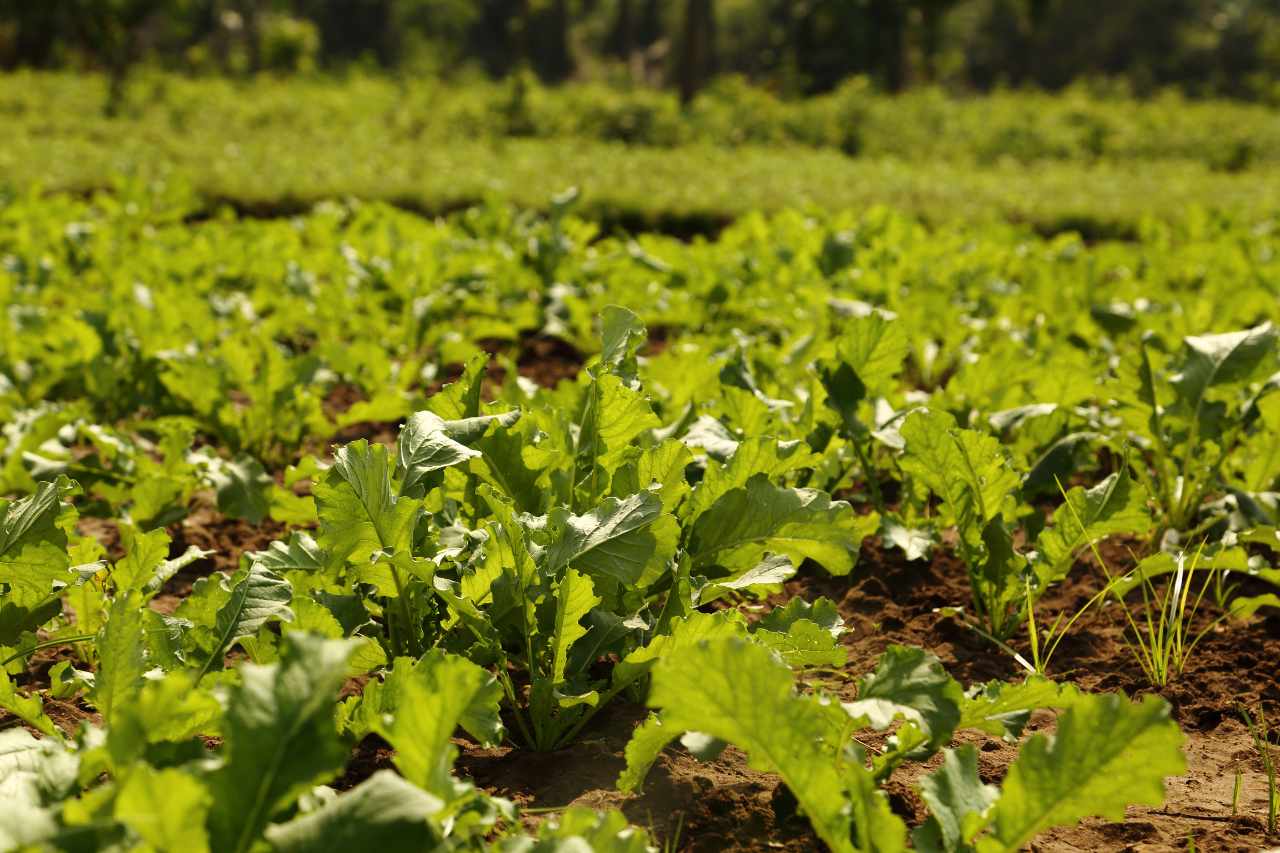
522, 554
459, 577
274, 147
921, 125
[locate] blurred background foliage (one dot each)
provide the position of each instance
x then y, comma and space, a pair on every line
1203, 48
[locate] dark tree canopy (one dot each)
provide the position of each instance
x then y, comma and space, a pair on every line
1225, 47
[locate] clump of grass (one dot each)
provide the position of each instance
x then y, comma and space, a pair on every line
1260, 731
1161, 637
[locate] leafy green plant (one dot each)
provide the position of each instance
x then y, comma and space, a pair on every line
1192, 413
979, 490
869, 357
1106, 752
147, 780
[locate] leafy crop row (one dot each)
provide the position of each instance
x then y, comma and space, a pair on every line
515, 555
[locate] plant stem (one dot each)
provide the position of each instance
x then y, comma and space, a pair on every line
21, 653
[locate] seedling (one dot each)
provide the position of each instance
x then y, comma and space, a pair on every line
1162, 640
1261, 734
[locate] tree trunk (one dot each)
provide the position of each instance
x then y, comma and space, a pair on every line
252, 34
697, 58
621, 40
888, 51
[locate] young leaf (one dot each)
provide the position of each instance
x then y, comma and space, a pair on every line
739, 692
280, 738
1210, 360
766, 456
383, 813
258, 596
440, 693
616, 540
1116, 505
121, 656
744, 523
958, 802
615, 415
909, 683
165, 808
144, 552
575, 597
646, 744
1003, 709
424, 446
1106, 753
966, 469
359, 515
621, 335
242, 486
33, 550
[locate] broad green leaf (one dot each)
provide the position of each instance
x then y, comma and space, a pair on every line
1106, 753
121, 647
803, 634
646, 744
280, 738
614, 417
958, 802
169, 709
144, 552
479, 719
765, 456
909, 683
242, 485
618, 540
684, 633
967, 469
621, 335
258, 596
741, 693
165, 808
876, 829
33, 550
27, 708
461, 399
772, 570
745, 523
424, 446
439, 694
359, 514
1225, 359
870, 354
300, 553
575, 596
471, 429
1116, 505
383, 813
663, 466
805, 643
822, 613
1004, 709
875, 347
503, 467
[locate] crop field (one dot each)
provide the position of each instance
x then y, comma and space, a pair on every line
329, 525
